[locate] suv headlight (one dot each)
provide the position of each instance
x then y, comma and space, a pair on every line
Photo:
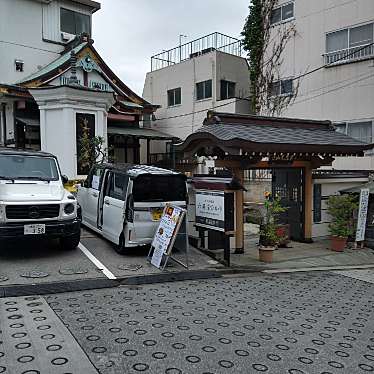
69, 208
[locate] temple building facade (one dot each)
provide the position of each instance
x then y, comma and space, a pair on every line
54, 85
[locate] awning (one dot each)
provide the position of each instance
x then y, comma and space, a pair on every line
29, 121
142, 133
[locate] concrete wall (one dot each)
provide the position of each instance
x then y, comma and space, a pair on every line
214, 65
26, 29
342, 93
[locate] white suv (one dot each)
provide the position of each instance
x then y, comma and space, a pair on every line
33, 201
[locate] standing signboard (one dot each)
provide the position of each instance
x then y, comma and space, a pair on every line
362, 215
165, 235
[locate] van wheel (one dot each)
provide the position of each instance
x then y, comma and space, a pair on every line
70, 242
120, 248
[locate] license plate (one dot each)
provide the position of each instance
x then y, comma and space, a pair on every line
36, 229
157, 214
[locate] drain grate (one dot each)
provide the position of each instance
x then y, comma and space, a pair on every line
36, 341
34, 274
130, 267
72, 271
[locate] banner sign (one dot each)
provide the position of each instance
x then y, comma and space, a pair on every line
210, 209
166, 233
362, 215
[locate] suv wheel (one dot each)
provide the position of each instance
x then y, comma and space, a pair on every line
70, 242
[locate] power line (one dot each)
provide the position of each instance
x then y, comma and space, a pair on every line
28, 46
248, 97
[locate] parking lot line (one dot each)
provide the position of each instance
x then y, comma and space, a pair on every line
96, 262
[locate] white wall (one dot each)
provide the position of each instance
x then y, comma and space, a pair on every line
23, 25
214, 65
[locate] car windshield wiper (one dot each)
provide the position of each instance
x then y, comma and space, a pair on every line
36, 178
4, 177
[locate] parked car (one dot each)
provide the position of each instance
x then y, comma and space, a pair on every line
33, 201
124, 203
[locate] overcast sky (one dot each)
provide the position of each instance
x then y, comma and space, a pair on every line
127, 33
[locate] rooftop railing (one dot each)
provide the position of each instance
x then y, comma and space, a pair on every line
197, 47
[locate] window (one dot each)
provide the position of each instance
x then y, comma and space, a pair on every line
358, 130
317, 203
159, 188
227, 90
174, 97
204, 90
19, 65
282, 13
350, 44
74, 23
118, 186
282, 87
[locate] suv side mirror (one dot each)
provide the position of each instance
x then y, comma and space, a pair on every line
65, 179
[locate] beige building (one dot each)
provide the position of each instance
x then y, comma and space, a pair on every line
340, 35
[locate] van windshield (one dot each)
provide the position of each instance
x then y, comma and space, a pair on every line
28, 167
159, 188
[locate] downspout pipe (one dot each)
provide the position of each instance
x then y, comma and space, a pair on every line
3, 124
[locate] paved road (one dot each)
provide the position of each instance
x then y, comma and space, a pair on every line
316, 322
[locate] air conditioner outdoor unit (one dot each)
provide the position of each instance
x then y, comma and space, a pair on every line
66, 37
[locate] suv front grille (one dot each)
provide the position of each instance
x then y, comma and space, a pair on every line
32, 211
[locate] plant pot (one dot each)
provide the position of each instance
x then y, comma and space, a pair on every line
338, 243
265, 254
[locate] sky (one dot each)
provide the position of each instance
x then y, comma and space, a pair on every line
127, 33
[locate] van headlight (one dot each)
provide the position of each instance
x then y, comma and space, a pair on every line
69, 208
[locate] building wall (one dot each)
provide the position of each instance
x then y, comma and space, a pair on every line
341, 93
26, 29
214, 65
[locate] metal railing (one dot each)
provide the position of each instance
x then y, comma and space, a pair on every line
349, 54
197, 47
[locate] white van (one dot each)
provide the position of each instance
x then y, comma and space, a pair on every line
124, 203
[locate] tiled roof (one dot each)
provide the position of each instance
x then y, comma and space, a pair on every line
278, 134
53, 65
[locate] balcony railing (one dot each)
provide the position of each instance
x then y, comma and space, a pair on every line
349, 54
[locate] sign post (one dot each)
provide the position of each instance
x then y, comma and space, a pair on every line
165, 236
362, 216
215, 211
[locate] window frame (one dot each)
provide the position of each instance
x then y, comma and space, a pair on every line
348, 29
280, 82
346, 125
281, 14
227, 82
173, 91
75, 21
204, 83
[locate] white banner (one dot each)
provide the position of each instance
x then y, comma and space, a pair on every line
210, 209
362, 215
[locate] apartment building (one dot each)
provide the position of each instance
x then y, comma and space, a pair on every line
188, 80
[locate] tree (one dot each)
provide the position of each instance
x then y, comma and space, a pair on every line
265, 46
92, 151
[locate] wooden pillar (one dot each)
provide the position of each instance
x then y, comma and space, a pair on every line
308, 204
239, 217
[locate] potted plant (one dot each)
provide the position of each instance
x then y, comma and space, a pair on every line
341, 209
269, 238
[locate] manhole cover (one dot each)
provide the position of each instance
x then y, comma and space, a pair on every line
131, 267
72, 271
3, 278
34, 274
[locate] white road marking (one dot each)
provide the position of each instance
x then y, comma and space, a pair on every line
342, 267
96, 262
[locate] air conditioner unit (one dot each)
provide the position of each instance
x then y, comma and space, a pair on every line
66, 37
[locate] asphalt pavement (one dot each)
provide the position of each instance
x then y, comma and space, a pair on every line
310, 322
